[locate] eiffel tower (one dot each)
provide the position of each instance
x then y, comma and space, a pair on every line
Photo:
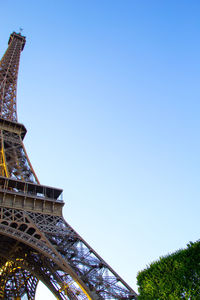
36, 243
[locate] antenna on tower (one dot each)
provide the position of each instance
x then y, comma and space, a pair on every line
20, 30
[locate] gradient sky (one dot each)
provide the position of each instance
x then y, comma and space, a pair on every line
109, 92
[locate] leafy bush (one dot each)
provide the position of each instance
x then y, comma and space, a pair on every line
175, 276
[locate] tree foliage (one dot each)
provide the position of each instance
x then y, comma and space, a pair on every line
175, 276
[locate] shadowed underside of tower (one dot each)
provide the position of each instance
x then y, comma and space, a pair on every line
36, 243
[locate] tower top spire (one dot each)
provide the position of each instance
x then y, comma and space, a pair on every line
18, 36
9, 66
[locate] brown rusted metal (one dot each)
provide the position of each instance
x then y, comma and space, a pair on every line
36, 242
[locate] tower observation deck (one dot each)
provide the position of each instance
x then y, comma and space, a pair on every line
36, 241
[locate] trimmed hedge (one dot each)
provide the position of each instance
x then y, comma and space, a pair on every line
173, 277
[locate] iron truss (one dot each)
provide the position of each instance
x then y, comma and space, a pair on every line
9, 66
36, 242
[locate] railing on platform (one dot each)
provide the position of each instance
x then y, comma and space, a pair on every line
30, 189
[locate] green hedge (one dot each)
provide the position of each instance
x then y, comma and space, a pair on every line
175, 276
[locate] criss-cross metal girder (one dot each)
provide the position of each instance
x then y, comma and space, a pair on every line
9, 66
36, 243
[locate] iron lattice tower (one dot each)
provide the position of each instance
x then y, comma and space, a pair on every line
36, 243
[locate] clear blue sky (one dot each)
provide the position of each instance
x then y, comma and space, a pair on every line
109, 92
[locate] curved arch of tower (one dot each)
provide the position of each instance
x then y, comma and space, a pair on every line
36, 242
